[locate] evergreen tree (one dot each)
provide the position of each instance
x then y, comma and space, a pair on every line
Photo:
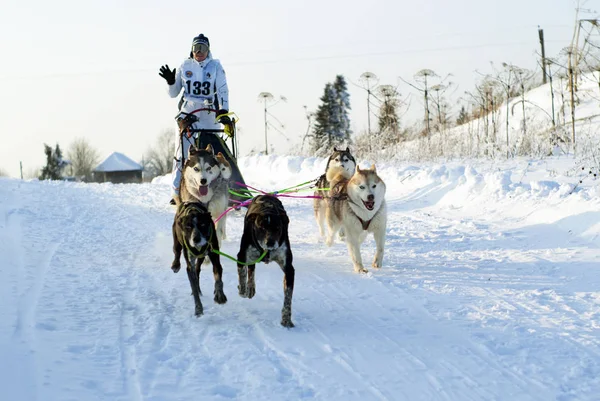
321, 142
332, 124
341, 120
54, 164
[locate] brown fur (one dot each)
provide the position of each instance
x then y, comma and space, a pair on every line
194, 235
266, 228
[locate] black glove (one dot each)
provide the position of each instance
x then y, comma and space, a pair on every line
222, 118
167, 74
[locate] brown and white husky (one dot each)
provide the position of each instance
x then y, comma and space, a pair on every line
358, 206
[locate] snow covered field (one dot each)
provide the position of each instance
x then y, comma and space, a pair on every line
490, 290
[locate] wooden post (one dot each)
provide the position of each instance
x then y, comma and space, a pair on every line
541, 35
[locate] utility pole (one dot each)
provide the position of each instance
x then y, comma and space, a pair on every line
541, 35
21, 168
266, 96
367, 76
266, 144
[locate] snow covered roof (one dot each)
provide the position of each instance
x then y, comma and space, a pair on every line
118, 162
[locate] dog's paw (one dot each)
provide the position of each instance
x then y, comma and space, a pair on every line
287, 322
251, 291
199, 310
175, 267
360, 269
376, 264
220, 297
329, 241
242, 291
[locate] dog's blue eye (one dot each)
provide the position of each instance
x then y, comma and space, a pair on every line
362, 187
196, 169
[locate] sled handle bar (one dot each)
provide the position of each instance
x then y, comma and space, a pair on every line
208, 131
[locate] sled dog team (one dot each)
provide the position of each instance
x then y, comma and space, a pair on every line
351, 202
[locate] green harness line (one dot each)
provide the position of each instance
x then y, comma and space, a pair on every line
197, 254
203, 254
295, 188
241, 263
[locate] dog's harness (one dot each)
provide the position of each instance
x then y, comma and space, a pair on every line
365, 224
208, 247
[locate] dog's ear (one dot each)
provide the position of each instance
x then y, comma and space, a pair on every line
209, 149
192, 150
373, 168
285, 219
358, 170
222, 160
181, 220
335, 149
347, 149
249, 222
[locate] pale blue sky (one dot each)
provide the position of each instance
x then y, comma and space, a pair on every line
90, 69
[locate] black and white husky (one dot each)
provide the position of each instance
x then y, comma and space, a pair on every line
358, 206
205, 179
343, 160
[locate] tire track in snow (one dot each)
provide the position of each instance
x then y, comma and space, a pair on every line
532, 311
441, 365
136, 319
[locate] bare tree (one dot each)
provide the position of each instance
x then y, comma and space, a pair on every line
83, 158
309, 117
158, 160
505, 80
3, 173
389, 122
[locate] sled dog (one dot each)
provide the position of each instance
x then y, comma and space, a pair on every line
358, 206
266, 229
339, 158
194, 235
205, 179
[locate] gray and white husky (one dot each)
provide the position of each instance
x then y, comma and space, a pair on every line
339, 158
358, 206
205, 179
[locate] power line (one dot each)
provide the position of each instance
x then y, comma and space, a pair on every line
289, 60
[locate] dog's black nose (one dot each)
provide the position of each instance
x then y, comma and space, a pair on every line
371, 197
203, 181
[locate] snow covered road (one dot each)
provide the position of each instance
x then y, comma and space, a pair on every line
482, 296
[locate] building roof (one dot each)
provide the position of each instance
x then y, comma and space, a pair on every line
118, 162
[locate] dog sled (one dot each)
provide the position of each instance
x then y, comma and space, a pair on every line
203, 137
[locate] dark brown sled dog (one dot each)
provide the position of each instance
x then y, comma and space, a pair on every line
266, 229
194, 234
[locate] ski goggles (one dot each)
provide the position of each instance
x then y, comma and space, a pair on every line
200, 48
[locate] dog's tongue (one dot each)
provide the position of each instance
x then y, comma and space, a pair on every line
369, 204
203, 190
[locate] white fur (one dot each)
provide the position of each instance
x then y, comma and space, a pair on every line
362, 184
217, 197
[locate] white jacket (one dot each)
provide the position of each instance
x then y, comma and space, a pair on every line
203, 83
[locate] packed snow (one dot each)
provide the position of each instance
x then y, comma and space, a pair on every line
490, 290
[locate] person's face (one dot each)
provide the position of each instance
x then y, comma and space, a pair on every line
200, 52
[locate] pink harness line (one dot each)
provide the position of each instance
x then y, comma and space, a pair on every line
247, 202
